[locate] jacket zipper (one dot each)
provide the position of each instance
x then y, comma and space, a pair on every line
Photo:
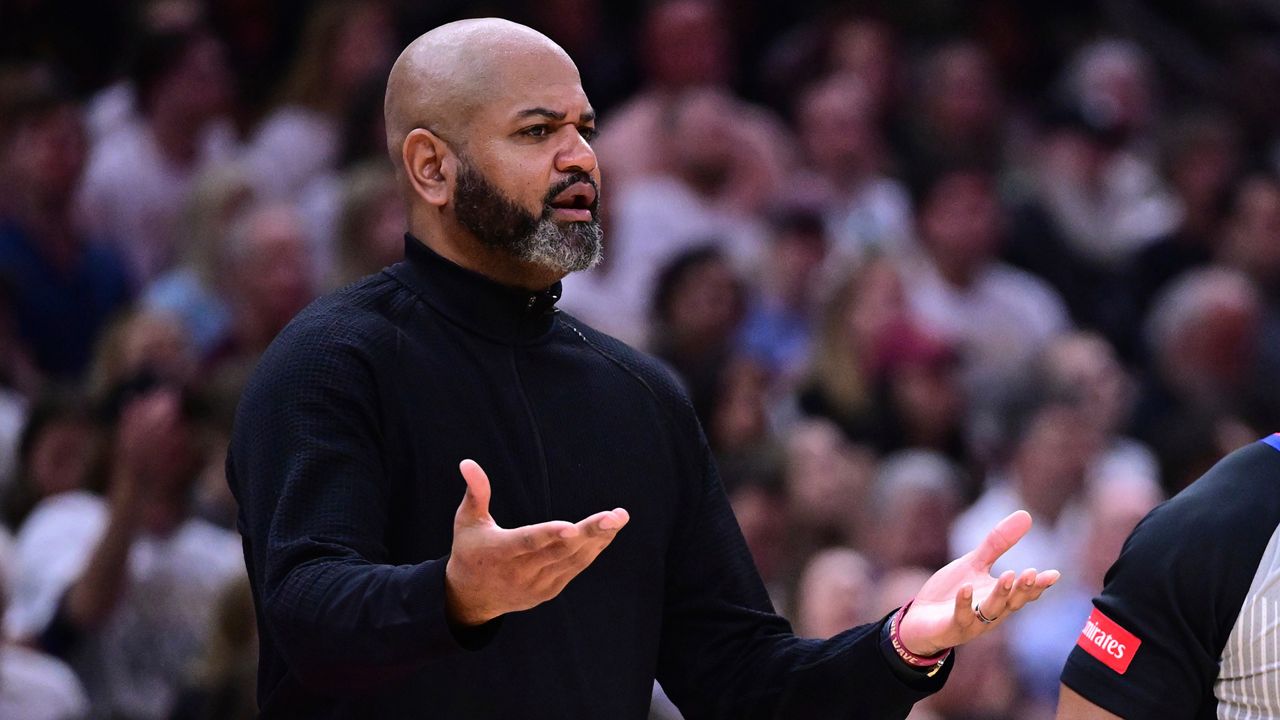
537, 438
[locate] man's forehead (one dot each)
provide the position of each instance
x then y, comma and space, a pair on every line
539, 98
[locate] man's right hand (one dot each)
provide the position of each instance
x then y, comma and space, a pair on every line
493, 570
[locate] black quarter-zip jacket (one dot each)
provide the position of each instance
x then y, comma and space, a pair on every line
344, 460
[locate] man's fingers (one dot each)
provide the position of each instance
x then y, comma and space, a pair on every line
602, 523
964, 607
993, 605
539, 538
1023, 587
1031, 585
1002, 537
553, 541
575, 562
475, 503
597, 531
565, 570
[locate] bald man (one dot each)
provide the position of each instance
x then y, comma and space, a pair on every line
593, 548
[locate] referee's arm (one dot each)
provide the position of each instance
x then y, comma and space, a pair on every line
1073, 706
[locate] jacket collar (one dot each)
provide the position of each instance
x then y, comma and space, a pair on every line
499, 312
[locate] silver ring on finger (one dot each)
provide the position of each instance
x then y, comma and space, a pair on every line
977, 611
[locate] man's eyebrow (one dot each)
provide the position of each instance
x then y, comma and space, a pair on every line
540, 112
586, 117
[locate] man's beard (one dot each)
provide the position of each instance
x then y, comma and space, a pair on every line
500, 223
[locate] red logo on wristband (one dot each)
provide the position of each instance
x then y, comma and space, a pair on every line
1111, 644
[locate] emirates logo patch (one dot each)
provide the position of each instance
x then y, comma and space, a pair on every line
1109, 643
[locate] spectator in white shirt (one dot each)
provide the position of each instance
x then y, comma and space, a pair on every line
124, 587
999, 317
344, 43
139, 177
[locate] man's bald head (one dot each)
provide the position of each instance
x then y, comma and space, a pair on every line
489, 130
444, 76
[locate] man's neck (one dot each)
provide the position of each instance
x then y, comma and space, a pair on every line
497, 265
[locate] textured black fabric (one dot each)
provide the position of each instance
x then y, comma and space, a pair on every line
345, 460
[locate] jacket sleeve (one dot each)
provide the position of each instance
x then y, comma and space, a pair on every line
306, 466
726, 654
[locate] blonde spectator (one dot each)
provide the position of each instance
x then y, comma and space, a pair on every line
864, 308
141, 342
344, 43
371, 225
223, 681
196, 290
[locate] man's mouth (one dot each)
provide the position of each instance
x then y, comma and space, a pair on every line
575, 204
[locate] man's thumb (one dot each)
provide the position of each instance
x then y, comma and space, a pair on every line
475, 503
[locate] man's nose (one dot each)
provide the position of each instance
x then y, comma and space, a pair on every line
576, 154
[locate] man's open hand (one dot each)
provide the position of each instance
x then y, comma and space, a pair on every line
493, 570
943, 615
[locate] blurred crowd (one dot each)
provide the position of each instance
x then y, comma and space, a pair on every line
917, 263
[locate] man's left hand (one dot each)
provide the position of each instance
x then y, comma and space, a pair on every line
943, 615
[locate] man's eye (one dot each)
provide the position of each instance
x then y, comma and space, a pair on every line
536, 131
588, 133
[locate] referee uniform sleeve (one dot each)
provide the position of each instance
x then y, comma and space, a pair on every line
1151, 647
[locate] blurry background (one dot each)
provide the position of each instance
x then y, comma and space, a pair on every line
918, 263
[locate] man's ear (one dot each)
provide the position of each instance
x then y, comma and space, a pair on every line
426, 160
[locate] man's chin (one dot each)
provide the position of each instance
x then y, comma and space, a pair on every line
576, 262
564, 247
